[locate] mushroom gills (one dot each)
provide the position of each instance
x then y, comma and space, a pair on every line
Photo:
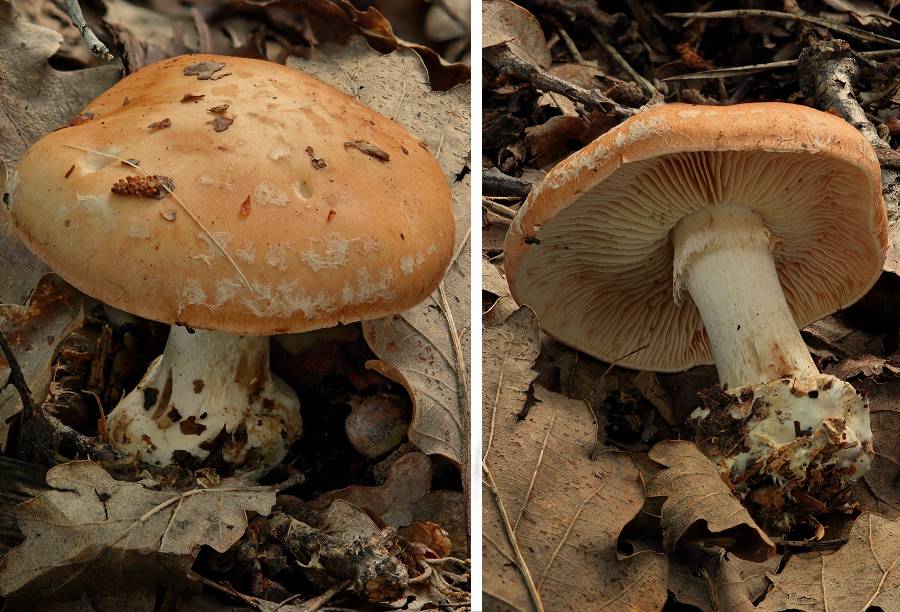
794, 419
209, 393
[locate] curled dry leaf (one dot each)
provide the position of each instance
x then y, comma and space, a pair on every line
508, 23
700, 508
732, 582
425, 348
35, 98
34, 332
405, 498
817, 582
551, 513
128, 533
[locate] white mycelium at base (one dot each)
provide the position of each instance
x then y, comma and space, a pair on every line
203, 383
724, 260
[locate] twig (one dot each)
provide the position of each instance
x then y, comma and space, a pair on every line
570, 45
720, 73
621, 61
204, 37
496, 183
498, 209
316, 603
16, 378
511, 536
827, 74
831, 25
90, 39
504, 60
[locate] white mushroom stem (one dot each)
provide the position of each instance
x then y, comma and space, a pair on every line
209, 393
723, 257
795, 419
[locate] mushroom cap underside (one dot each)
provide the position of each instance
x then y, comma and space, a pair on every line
591, 252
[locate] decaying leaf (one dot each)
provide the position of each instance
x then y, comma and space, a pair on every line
426, 348
729, 584
128, 533
405, 498
508, 23
700, 507
861, 575
35, 98
34, 332
551, 513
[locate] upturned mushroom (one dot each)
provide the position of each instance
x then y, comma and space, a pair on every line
234, 199
694, 234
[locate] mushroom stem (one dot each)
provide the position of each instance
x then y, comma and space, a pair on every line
723, 257
209, 393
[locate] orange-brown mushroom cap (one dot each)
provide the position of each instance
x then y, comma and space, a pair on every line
590, 250
326, 211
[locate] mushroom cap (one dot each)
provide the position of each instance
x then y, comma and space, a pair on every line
329, 211
590, 249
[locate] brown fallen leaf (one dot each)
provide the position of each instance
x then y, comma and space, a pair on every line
204, 71
220, 124
36, 98
34, 332
700, 508
551, 514
92, 525
731, 582
878, 490
861, 575
406, 498
508, 23
425, 349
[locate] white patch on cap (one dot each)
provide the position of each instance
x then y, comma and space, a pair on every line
276, 257
246, 253
192, 292
95, 205
207, 180
279, 152
213, 251
689, 113
270, 193
407, 265
365, 289
333, 255
95, 160
139, 229
286, 299
226, 288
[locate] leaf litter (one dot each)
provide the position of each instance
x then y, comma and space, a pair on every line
541, 102
422, 533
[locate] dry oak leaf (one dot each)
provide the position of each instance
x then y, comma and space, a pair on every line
508, 23
34, 332
35, 98
861, 575
700, 507
551, 513
878, 490
98, 535
426, 348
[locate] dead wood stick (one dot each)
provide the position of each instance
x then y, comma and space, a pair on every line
16, 378
505, 61
824, 23
90, 39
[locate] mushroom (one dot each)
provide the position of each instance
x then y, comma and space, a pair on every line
689, 234
234, 199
